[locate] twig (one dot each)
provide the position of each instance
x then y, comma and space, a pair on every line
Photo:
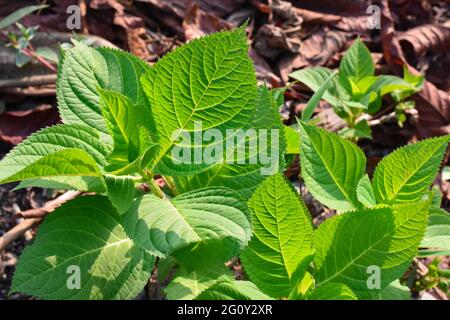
34, 217
31, 91
29, 81
383, 119
32, 54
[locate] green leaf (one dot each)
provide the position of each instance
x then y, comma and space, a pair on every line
47, 53
331, 167
82, 183
333, 291
416, 84
282, 237
394, 291
304, 286
122, 118
245, 178
188, 285
84, 233
360, 87
406, 174
209, 80
356, 64
120, 191
436, 195
388, 238
360, 131
200, 228
68, 162
21, 59
415, 80
48, 141
314, 78
437, 234
83, 70
233, 290
433, 253
317, 96
165, 268
148, 151
386, 84
19, 14
364, 192
383, 85
292, 140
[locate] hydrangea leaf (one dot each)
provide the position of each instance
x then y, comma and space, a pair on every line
331, 167
84, 238
85, 69
200, 228
209, 83
386, 238
282, 237
406, 174
245, 178
364, 192
62, 163
333, 291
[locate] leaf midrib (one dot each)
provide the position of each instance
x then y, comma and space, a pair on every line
405, 181
171, 141
99, 249
368, 249
347, 196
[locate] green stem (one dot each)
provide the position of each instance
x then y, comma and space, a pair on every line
170, 184
148, 177
444, 273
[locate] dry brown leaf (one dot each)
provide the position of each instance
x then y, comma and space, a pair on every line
198, 23
271, 40
391, 47
264, 72
17, 125
171, 13
285, 14
420, 40
133, 26
433, 106
344, 23
314, 51
334, 6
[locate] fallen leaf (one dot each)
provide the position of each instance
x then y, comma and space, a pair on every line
280, 34
17, 125
334, 6
198, 23
314, 51
433, 106
171, 13
271, 40
391, 47
132, 26
285, 14
341, 22
264, 72
420, 40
